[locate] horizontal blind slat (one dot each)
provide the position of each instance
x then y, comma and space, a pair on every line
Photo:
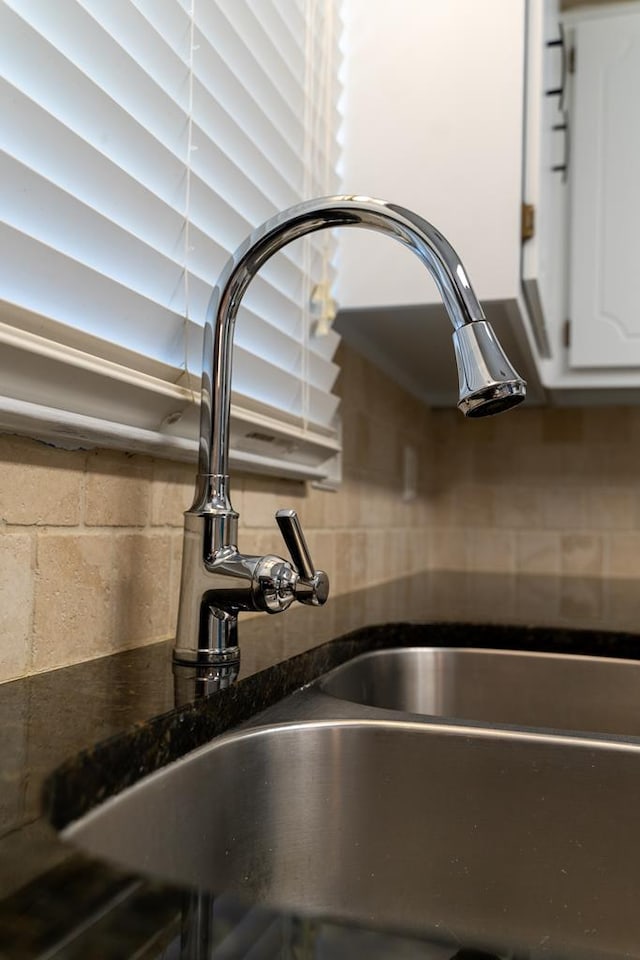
76, 41
157, 110
93, 115
161, 159
278, 104
68, 290
217, 88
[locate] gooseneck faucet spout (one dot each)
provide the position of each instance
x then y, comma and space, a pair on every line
217, 581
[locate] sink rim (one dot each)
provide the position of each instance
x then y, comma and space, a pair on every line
575, 758
428, 729
430, 683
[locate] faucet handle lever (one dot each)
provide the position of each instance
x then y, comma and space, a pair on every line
313, 586
293, 536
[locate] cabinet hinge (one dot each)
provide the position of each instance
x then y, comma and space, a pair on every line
566, 334
528, 222
571, 63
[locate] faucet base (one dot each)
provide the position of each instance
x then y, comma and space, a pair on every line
195, 681
206, 658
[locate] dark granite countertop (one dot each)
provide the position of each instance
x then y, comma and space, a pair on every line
102, 725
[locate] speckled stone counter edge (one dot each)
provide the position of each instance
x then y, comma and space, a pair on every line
57, 910
105, 770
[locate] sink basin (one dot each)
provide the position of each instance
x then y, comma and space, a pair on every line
506, 841
569, 693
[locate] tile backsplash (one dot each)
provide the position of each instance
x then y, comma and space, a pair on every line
90, 541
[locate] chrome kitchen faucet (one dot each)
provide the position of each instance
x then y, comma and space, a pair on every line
218, 582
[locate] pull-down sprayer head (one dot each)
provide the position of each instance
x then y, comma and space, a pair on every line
487, 381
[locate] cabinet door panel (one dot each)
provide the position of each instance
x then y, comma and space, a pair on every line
605, 201
544, 256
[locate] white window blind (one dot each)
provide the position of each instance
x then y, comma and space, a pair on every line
142, 141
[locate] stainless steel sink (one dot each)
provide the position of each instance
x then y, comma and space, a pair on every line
513, 842
569, 693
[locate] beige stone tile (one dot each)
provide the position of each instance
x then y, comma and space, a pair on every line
16, 603
401, 511
564, 508
292, 493
623, 555
518, 507
582, 554
449, 466
491, 551
318, 506
420, 513
608, 425
387, 555
481, 430
611, 508
418, 421
362, 503
498, 465
356, 438
350, 384
620, 462
411, 513
378, 556
293, 496
259, 501
40, 484
171, 492
346, 508
633, 417
399, 552
438, 464
447, 549
176, 541
117, 490
350, 561
441, 508
379, 391
474, 505
386, 451
378, 506
418, 542
553, 464
73, 618
538, 551
260, 542
141, 581
321, 545
444, 424
562, 426
523, 425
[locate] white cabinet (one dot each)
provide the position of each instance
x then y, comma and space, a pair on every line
593, 323
545, 190
448, 112
433, 121
604, 304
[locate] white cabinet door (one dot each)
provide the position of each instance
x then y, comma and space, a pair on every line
544, 255
604, 305
433, 121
